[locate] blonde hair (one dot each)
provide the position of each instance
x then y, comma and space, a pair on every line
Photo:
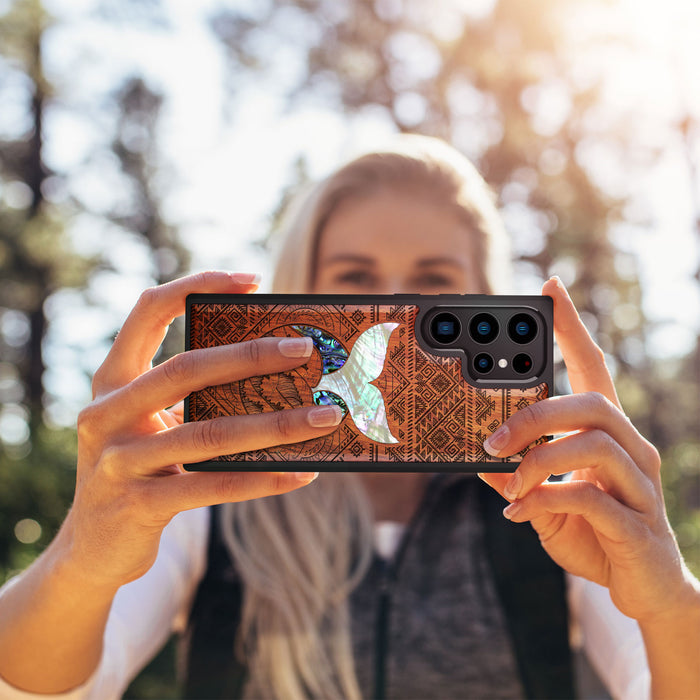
299, 555
419, 163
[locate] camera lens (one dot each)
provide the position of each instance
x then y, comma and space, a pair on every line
483, 363
483, 328
445, 328
522, 328
522, 363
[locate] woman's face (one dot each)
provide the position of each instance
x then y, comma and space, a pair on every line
395, 242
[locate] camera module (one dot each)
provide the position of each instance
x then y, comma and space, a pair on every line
483, 363
445, 328
522, 363
522, 328
483, 328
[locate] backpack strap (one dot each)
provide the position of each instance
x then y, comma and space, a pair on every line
532, 590
211, 667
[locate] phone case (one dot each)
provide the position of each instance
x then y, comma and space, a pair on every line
409, 403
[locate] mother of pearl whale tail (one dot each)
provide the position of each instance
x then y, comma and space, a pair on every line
351, 383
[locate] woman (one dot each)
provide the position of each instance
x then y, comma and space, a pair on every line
414, 219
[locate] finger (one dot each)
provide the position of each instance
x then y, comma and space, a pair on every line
584, 360
188, 490
145, 327
556, 532
609, 518
170, 419
565, 414
208, 439
496, 480
176, 414
592, 450
190, 371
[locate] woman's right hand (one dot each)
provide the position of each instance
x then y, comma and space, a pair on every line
130, 480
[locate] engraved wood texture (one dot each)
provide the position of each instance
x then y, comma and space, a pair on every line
433, 412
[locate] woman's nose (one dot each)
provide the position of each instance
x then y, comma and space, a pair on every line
398, 284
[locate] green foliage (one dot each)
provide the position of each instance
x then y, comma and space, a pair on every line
36, 484
135, 144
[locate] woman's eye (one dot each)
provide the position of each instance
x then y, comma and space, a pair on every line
355, 277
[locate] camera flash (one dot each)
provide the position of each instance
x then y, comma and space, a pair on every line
502, 363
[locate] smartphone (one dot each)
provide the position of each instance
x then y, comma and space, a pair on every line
422, 380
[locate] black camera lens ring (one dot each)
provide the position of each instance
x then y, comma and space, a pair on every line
522, 363
483, 363
522, 328
483, 328
445, 328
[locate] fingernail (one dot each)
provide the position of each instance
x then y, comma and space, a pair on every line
306, 477
296, 347
512, 488
325, 416
246, 277
496, 442
512, 510
561, 285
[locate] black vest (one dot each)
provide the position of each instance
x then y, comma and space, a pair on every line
528, 584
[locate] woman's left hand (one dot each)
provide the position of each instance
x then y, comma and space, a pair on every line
608, 523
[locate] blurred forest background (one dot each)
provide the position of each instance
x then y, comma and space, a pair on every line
142, 139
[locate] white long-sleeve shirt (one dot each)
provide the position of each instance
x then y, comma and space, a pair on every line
147, 611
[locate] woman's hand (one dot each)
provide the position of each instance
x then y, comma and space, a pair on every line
608, 523
130, 480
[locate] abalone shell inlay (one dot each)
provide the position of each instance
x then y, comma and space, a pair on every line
328, 398
333, 354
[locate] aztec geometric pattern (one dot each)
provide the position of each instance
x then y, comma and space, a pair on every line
433, 413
